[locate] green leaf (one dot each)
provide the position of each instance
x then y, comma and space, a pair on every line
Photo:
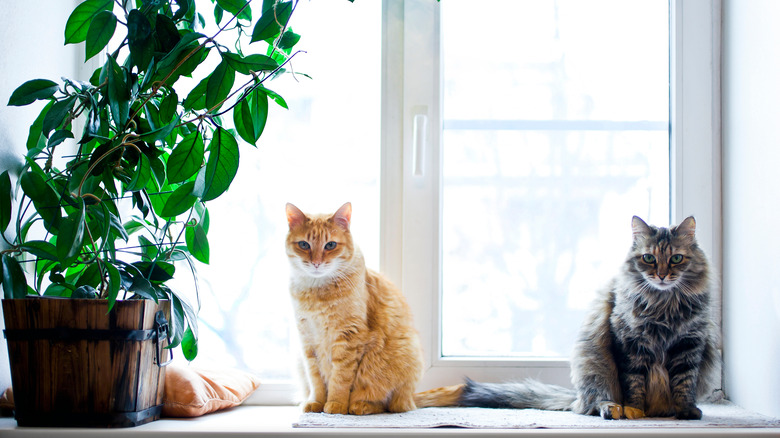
118, 93
275, 97
218, 12
180, 201
144, 288
41, 249
167, 34
101, 29
186, 158
35, 137
139, 39
6, 196
77, 27
103, 156
246, 65
250, 116
197, 243
157, 272
104, 215
59, 136
70, 240
202, 216
30, 91
168, 106
177, 321
57, 114
219, 85
45, 199
90, 276
289, 40
272, 21
222, 164
242, 119
196, 100
160, 133
114, 284
158, 170
14, 280
189, 345
184, 7
59, 290
141, 176
149, 250
234, 6
184, 47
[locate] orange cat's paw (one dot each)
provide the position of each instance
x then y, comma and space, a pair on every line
365, 408
312, 406
611, 411
398, 405
335, 408
633, 413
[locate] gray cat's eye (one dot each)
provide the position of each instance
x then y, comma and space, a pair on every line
330, 246
303, 245
648, 258
677, 258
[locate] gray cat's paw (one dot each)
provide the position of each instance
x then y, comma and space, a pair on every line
688, 413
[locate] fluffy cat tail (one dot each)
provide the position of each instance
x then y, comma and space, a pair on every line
521, 395
439, 397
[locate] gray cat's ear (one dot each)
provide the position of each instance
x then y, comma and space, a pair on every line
686, 228
639, 227
343, 216
295, 217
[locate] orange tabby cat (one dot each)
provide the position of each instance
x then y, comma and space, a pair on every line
362, 354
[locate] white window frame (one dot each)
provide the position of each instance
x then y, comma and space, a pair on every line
411, 163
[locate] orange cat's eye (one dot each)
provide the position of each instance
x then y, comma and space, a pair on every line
303, 245
330, 246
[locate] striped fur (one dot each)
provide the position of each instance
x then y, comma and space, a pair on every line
649, 348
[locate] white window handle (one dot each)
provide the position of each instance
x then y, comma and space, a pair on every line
420, 134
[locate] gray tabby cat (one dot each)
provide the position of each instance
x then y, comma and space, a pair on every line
648, 349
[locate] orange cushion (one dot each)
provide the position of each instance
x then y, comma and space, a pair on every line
191, 392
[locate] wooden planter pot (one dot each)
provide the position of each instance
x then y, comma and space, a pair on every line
75, 364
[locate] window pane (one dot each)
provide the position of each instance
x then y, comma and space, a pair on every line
319, 154
550, 145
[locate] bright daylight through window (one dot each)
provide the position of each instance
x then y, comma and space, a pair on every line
550, 145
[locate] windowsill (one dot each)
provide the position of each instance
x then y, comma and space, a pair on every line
277, 421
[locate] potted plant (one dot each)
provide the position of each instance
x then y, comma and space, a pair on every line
99, 217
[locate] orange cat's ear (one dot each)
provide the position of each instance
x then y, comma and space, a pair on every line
343, 216
295, 217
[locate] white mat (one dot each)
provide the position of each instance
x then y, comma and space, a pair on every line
720, 415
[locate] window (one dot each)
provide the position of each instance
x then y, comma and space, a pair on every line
548, 150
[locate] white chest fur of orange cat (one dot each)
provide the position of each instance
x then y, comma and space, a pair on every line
361, 354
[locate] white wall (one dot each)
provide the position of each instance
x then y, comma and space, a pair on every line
751, 191
31, 46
